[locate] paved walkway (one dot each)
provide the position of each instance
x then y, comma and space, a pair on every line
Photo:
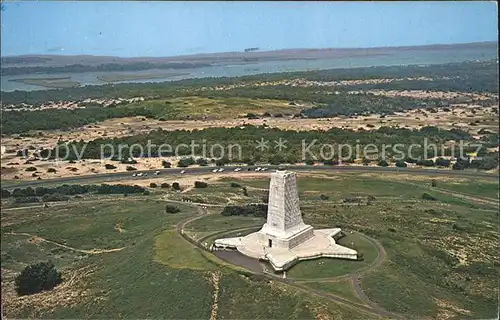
256, 267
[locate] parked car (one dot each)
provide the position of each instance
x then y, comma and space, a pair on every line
183, 171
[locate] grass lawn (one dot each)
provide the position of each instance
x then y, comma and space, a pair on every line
217, 222
341, 288
216, 108
442, 257
157, 274
173, 250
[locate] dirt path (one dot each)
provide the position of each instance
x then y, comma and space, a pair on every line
370, 306
40, 239
215, 279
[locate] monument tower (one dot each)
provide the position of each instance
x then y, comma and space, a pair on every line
284, 227
285, 239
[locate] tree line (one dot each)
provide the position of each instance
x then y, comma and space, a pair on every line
239, 145
61, 193
465, 76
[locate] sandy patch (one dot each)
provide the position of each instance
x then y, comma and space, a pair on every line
447, 310
470, 118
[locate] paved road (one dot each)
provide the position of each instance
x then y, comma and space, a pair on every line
116, 176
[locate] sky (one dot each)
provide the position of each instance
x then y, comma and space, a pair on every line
155, 29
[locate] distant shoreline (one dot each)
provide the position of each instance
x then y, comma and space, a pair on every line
47, 57
49, 82
128, 77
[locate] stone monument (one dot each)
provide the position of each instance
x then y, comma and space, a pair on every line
285, 239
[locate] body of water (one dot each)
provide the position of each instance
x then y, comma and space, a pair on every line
399, 57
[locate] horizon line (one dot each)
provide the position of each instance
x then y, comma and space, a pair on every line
254, 52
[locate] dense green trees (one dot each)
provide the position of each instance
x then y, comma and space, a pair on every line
176, 186
200, 184
36, 278
256, 210
298, 142
472, 77
172, 209
60, 193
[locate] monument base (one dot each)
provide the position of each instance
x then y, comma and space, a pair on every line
285, 240
320, 244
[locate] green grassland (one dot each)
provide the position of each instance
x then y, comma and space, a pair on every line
156, 274
193, 107
330, 268
341, 287
441, 256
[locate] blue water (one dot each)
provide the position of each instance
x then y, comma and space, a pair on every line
399, 57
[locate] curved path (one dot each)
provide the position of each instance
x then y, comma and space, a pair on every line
116, 176
255, 267
40, 239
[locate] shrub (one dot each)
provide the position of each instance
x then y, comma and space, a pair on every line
176, 186
186, 162
109, 166
51, 170
401, 164
330, 162
235, 185
324, 197
309, 162
37, 278
118, 189
128, 161
29, 169
54, 197
130, 168
256, 210
426, 163
26, 200
442, 162
383, 163
166, 164
165, 185
433, 183
460, 164
172, 209
427, 196
200, 184
4, 193
202, 162
153, 185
